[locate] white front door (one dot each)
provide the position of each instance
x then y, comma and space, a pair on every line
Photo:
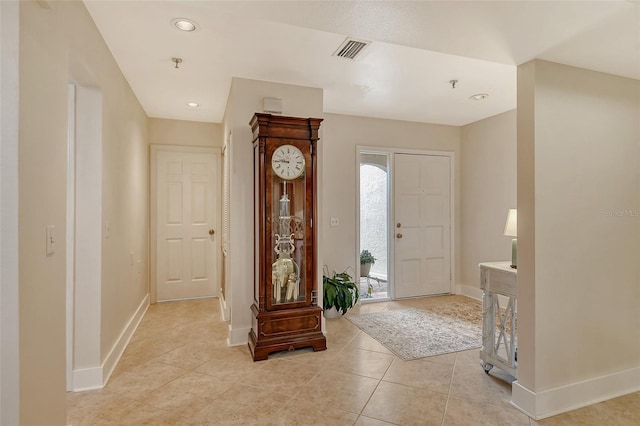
422, 228
186, 237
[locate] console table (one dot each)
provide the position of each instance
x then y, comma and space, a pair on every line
499, 322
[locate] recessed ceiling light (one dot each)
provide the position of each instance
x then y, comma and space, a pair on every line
479, 97
184, 24
193, 104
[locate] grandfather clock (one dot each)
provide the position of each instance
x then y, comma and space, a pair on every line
285, 315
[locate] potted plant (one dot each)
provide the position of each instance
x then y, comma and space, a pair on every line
366, 260
340, 293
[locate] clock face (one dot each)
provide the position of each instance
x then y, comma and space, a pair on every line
287, 162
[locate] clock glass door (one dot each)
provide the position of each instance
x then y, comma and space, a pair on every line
287, 235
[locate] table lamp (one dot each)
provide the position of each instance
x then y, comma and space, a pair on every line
511, 230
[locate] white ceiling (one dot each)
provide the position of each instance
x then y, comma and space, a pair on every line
418, 46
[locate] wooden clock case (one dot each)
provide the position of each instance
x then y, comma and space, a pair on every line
291, 319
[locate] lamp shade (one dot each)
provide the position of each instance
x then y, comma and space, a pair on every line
511, 227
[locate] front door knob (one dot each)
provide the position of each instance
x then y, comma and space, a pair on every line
211, 232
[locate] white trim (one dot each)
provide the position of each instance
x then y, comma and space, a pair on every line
87, 305
226, 294
71, 227
238, 336
390, 230
476, 293
391, 199
153, 153
467, 290
357, 253
225, 311
111, 360
186, 148
9, 271
187, 298
85, 379
569, 397
523, 399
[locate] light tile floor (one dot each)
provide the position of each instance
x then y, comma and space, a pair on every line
178, 370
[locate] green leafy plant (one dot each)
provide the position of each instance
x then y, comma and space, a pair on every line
366, 257
339, 291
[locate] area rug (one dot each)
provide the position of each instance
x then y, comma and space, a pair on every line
416, 333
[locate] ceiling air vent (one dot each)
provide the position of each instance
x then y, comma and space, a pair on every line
350, 48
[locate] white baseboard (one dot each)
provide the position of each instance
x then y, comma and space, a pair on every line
224, 309
238, 336
85, 379
476, 293
111, 360
559, 400
97, 377
467, 290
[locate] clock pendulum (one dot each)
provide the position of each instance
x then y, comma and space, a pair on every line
285, 270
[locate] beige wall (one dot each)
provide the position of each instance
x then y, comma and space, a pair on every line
581, 216
190, 133
59, 42
342, 133
489, 178
245, 99
526, 223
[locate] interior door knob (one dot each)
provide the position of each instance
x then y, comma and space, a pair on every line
399, 235
211, 232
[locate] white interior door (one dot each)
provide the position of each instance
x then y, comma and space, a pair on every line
186, 237
422, 212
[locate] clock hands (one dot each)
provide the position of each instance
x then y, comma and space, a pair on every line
288, 162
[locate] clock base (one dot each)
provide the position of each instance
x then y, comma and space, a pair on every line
285, 330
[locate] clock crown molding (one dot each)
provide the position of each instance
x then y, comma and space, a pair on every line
277, 126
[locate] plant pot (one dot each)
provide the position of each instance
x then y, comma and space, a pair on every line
332, 312
365, 268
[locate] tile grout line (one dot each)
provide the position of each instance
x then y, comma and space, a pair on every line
376, 388
369, 400
446, 404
